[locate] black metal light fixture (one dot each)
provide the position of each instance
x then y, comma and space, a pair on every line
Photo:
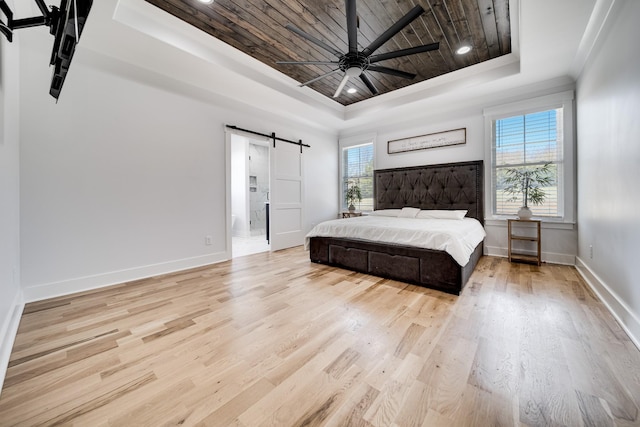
65, 24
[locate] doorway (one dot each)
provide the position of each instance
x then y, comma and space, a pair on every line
250, 188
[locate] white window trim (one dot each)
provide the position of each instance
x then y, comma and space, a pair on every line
557, 100
353, 141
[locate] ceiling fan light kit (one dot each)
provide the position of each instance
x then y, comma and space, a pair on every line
356, 63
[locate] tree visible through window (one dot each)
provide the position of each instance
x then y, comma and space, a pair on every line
357, 168
527, 141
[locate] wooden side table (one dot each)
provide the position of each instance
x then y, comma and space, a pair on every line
350, 214
515, 256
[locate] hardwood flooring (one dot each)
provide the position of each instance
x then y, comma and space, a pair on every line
274, 340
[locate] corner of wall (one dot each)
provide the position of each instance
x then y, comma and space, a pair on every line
618, 308
11, 298
8, 332
81, 284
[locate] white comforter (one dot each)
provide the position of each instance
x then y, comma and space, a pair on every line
457, 237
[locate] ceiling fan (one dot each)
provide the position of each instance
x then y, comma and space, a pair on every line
356, 63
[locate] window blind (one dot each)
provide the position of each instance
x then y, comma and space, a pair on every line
357, 168
527, 141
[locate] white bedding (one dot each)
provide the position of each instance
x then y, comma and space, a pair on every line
456, 237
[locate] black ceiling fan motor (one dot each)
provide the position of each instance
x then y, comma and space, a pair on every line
356, 63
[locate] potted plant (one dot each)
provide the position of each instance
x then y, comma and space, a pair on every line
528, 183
352, 195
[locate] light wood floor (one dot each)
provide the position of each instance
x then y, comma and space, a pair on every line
272, 339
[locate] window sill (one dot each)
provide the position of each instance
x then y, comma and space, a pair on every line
547, 223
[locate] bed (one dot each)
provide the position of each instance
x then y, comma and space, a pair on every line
452, 186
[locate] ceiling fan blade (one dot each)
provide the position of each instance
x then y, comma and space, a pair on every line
394, 29
308, 62
313, 40
352, 25
391, 71
404, 52
319, 77
341, 86
367, 81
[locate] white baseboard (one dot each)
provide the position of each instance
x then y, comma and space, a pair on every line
618, 308
8, 332
87, 283
550, 257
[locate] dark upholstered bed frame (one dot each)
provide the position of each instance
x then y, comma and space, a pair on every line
444, 186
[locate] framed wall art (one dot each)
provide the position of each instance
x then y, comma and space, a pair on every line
431, 140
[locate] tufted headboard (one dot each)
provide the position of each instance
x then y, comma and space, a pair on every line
445, 186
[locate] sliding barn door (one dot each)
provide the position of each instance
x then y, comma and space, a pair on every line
286, 196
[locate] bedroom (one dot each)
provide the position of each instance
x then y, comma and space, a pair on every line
79, 216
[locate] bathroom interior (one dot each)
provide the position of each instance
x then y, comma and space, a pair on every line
249, 195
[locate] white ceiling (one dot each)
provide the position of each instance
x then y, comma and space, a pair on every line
550, 41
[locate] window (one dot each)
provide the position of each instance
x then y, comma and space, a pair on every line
525, 135
357, 168
525, 142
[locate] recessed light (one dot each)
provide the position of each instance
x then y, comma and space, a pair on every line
206, 1
352, 90
463, 49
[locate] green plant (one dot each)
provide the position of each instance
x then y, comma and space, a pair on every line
353, 193
528, 182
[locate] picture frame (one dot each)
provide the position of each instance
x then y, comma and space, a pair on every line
430, 140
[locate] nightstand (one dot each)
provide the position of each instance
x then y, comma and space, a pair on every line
522, 225
350, 214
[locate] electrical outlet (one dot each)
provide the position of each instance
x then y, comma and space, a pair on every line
208, 240
590, 251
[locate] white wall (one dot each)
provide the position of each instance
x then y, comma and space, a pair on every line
472, 150
10, 295
608, 98
559, 241
125, 175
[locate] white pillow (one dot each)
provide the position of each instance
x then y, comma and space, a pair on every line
441, 214
407, 212
386, 212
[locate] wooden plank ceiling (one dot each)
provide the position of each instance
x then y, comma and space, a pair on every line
257, 28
